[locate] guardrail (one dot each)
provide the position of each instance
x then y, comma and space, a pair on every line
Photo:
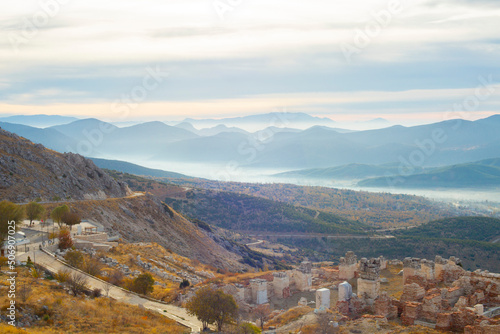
25, 248
114, 286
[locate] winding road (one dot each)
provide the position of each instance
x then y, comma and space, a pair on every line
178, 314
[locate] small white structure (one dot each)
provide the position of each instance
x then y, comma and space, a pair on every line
345, 292
323, 298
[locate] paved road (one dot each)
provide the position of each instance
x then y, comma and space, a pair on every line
310, 235
62, 201
173, 312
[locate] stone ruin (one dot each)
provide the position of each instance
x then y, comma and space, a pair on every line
459, 307
348, 266
303, 276
259, 291
369, 280
322, 298
466, 303
171, 273
438, 270
281, 285
345, 292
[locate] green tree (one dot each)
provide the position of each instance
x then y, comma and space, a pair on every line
9, 212
200, 306
70, 219
213, 307
34, 211
225, 308
184, 284
143, 284
58, 213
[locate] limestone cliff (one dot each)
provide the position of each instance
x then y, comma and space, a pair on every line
29, 171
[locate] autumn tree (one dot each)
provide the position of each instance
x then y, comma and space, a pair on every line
9, 212
143, 284
213, 307
58, 213
70, 219
65, 240
34, 211
262, 313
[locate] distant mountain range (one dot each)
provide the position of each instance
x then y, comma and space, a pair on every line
414, 148
38, 121
254, 123
209, 131
480, 175
345, 172
97, 138
50, 138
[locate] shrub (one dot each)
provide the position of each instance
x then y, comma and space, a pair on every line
91, 266
35, 273
62, 276
74, 258
77, 283
96, 293
143, 284
116, 278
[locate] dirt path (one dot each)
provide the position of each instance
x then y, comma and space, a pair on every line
173, 312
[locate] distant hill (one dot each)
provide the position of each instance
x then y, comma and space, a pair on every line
469, 238
29, 171
240, 212
50, 138
38, 121
210, 131
261, 121
473, 175
344, 172
127, 167
463, 228
139, 141
490, 162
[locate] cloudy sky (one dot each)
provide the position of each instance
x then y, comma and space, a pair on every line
404, 60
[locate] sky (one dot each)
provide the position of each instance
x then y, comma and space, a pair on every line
407, 61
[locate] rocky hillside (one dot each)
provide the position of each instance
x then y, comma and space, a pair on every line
29, 171
147, 219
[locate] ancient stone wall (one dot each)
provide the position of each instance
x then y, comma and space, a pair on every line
348, 266
259, 291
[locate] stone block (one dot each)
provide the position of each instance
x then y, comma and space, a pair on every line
345, 291
323, 298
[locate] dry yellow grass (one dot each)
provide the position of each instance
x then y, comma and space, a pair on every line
68, 314
289, 316
394, 287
